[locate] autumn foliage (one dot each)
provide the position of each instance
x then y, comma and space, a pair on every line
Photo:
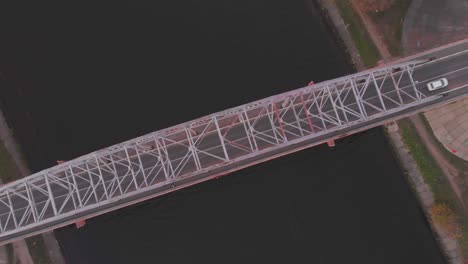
446, 219
373, 5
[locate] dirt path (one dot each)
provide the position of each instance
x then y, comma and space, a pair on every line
374, 33
449, 170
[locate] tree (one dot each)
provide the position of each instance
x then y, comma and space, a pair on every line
446, 219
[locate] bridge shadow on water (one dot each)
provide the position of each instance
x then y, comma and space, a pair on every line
349, 204
78, 76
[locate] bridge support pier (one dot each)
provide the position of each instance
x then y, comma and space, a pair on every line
392, 127
331, 143
80, 223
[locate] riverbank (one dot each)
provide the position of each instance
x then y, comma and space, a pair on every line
39, 249
438, 200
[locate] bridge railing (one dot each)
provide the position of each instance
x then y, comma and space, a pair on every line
177, 153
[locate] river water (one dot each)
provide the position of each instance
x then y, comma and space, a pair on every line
81, 75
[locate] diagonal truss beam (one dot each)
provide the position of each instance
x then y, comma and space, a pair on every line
225, 138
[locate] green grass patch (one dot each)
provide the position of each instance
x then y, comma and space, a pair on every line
390, 24
11, 254
38, 250
8, 170
431, 172
361, 38
464, 239
434, 177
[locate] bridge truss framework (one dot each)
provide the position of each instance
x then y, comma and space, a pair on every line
164, 157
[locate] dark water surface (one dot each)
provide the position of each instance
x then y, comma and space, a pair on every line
81, 75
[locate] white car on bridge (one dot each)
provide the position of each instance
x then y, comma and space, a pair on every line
437, 84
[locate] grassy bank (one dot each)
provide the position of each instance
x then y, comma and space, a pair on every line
435, 178
8, 170
390, 24
10, 254
432, 174
38, 250
361, 38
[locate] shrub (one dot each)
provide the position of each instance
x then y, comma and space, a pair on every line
446, 219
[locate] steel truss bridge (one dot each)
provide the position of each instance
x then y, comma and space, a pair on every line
195, 151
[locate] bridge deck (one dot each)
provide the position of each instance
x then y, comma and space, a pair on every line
166, 160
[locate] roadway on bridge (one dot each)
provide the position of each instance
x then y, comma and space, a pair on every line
451, 63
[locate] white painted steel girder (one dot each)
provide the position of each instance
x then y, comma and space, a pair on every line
186, 150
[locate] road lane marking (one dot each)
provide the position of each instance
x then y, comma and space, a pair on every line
448, 73
441, 58
455, 89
